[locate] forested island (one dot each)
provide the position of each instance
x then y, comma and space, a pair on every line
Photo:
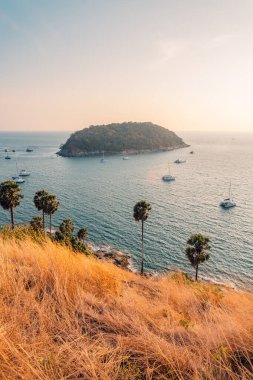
120, 138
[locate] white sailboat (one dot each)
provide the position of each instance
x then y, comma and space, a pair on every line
17, 178
228, 202
168, 177
103, 160
24, 173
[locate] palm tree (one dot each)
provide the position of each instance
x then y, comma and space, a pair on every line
40, 200
51, 206
10, 197
141, 213
82, 233
37, 223
197, 250
67, 227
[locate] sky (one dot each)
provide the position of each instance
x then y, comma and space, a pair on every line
184, 64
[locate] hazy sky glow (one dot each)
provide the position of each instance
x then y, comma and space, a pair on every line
186, 64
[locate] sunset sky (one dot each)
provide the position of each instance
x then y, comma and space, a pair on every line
186, 64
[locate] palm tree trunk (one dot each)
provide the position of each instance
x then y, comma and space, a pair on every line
50, 224
197, 269
142, 247
43, 218
12, 218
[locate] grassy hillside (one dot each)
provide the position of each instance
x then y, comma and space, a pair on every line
122, 137
67, 316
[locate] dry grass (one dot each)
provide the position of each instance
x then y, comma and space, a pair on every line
66, 316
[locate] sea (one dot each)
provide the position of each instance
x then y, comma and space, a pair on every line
101, 197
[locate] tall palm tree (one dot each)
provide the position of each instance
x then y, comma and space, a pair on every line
141, 213
82, 233
40, 200
10, 197
197, 250
51, 206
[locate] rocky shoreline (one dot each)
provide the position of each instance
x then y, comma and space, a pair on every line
112, 255
65, 153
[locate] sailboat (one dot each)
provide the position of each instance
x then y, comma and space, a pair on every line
228, 202
7, 157
24, 173
168, 177
18, 179
103, 160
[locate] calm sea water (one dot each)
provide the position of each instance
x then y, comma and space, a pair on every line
101, 197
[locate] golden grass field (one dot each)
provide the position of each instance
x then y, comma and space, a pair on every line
67, 316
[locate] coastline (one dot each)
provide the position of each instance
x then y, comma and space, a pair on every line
108, 253
131, 152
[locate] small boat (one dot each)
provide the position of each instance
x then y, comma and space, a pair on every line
103, 160
192, 152
18, 180
6, 150
228, 202
7, 157
29, 150
125, 158
13, 150
24, 173
179, 161
168, 177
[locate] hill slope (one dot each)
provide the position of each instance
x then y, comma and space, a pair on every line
118, 138
67, 316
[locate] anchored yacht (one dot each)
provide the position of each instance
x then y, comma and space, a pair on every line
168, 177
228, 202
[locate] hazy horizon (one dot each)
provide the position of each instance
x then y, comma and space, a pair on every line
186, 66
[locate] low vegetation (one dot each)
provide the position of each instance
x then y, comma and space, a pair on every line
68, 316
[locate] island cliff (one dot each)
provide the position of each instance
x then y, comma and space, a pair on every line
128, 137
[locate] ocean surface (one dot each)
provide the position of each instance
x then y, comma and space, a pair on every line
101, 197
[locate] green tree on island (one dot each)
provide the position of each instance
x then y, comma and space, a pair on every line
141, 214
10, 197
82, 233
197, 250
51, 206
40, 201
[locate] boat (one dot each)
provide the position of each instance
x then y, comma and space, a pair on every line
168, 177
179, 161
103, 160
24, 173
228, 202
29, 150
192, 152
18, 180
125, 158
7, 157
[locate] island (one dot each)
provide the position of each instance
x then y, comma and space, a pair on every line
120, 138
